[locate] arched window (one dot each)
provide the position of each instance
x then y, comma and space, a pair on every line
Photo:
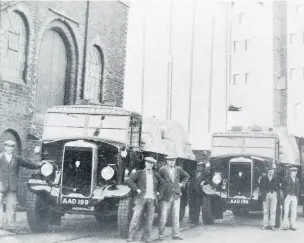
52, 70
14, 51
93, 84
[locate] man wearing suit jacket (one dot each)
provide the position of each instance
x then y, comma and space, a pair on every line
146, 183
175, 177
291, 190
9, 175
269, 187
196, 193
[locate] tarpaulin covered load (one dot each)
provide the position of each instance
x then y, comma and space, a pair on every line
289, 152
151, 136
166, 137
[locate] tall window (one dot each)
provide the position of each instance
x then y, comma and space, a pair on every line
93, 85
236, 79
292, 38
247, 44
241, 18
15, 46
292, 74
247, 78
237, 46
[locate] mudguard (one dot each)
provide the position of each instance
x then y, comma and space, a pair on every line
211, 191
38, 186
120, 191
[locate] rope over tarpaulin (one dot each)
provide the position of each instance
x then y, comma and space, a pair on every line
166, 137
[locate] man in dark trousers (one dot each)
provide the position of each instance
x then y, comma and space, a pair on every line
269, 188
196, 193
9, 176
291, 190
175, 178
146, 183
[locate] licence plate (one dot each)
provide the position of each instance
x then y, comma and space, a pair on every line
75, 201
238, 201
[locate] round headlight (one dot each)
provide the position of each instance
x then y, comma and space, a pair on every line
217, 178
107, 173
47, 169
37, 149
124, 153
207, 164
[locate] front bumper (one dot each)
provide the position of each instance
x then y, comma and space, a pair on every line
235, 201
99, 193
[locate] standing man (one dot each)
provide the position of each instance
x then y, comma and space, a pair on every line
196, 193
145, 182
269, 187
175, 178
291, 190
9, 175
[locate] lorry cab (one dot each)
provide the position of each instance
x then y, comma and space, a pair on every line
88, 151
239, 158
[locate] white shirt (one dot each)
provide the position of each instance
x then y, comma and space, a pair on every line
149, 185
270, 177
8, 157
172, 173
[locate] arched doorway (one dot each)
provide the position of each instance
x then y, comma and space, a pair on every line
52, 69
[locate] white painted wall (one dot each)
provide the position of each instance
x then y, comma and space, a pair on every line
256, 97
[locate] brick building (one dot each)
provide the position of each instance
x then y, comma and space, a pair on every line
55, 53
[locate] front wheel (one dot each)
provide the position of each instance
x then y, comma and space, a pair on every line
38, 212
124, 216
207, 215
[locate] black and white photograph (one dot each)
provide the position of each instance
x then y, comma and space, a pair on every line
151, 121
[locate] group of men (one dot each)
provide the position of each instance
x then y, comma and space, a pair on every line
163, 188
273, 189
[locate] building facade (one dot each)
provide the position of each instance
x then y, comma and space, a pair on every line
202, 57
56, 53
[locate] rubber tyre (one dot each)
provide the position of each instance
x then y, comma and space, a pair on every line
124, 216
105, 219
38, 211
207, 216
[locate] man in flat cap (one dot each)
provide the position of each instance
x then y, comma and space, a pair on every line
9, 175
269, 188
196, 192
175, 178
291, 190
146, 183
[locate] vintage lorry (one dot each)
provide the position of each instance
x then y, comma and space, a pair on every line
88, 152
238, 160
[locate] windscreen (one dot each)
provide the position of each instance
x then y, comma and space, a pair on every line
62, 125
241, 145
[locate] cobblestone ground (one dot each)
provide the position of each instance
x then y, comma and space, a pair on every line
81, 229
